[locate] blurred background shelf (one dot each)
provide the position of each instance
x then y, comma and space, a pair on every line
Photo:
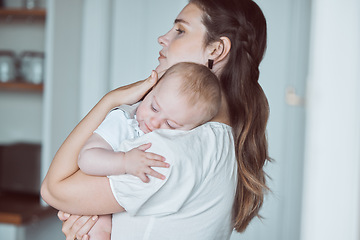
21, 86
22, 12
22, 208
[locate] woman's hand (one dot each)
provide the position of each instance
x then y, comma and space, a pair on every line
134, 92
76, 227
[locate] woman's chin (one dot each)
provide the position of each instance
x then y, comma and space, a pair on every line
160, 70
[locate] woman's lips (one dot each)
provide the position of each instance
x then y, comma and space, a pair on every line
161, 56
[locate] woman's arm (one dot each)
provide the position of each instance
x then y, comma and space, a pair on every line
68, 189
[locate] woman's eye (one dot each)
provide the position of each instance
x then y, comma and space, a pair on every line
179, 30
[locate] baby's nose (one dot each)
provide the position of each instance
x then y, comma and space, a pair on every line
155, 122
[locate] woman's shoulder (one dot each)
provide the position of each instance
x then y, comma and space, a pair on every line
206, 129
210, 138
215, 127
201, 135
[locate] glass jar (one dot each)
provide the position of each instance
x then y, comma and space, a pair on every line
32, 67
30, 4
7, 66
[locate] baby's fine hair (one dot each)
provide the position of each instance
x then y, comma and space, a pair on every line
199, 85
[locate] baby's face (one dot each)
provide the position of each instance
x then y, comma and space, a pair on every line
165, 108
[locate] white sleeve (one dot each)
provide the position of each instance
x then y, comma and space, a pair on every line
114, 128
158, 197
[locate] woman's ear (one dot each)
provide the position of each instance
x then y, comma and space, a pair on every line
220, 49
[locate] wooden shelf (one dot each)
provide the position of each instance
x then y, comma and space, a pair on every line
21, 86
22, 208
22, 12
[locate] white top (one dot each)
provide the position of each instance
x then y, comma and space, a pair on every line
120, 124
194, 202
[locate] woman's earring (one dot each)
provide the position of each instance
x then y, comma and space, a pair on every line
210, 63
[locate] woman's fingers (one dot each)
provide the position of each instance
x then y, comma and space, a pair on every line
81, 233
63, 216
135, 91
148, 84
152, 79
67, 227
78, 226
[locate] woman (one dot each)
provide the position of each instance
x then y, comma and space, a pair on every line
230, 37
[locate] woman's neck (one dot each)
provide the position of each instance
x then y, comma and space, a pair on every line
223, 115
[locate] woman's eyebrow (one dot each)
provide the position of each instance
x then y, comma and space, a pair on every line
181, 21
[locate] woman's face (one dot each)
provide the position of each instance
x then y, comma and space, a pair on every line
184, 42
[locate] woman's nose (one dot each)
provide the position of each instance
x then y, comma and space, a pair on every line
162, 40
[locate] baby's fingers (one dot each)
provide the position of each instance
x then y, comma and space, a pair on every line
144, 147
155, 174
156, 163
153, 156
144, 178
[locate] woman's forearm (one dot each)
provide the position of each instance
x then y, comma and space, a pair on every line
68, 189
64, 164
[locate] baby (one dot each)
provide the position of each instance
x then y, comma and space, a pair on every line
186, 96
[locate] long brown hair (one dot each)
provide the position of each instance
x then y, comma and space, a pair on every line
243, 22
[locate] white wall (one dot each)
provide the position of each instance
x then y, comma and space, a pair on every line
61, 93
134, 46
95, 52
332, 169
119, 45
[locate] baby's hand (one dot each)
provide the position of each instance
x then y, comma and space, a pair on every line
139, 163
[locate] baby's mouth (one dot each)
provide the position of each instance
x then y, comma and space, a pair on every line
145, 127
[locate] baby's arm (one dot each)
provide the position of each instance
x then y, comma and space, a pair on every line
98, 158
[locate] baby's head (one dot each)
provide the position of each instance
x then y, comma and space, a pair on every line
186, 96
